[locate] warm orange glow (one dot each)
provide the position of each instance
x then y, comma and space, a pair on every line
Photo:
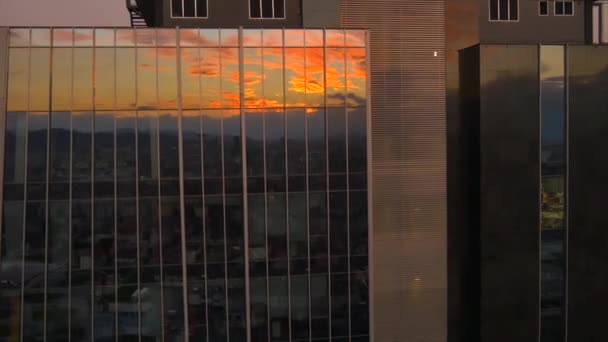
273, 76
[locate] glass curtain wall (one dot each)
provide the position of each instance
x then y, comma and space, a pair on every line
553, 248
170, 185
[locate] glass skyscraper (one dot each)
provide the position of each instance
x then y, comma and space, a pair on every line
175, 184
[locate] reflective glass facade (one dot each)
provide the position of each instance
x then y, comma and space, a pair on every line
553, 236
168, 185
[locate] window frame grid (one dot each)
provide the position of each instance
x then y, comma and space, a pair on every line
562, 3
183, 16
498, 20
345, 107
261, 17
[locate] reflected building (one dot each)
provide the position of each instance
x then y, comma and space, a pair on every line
185, 184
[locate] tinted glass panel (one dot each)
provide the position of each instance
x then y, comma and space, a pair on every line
494, 9
503, 7
553, 179
513, 9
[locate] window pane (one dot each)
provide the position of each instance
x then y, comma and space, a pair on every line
267, 8
36, 148
339, 305
298, 226
40, 74
19, 37
494, 9
58, 244
105, 83
59, 161
176, 8
513, 9
104, 154
218, 326
34, 256
125, 78
357, 152
559, 8
278, 303
149, 239
126, 240
335, 77
276, 226
125, 153
12, 252
504, 9
319, 310
167, 78
82, 123
172, 271
148, 152
62, 79
191, 82
295, 77
275, 150
315, 94
273, 77
104, 37
125, 37
359, 298
81, 270
147, 97
191, 122
257, 228
208, 69
214, 229
212, 151
14, 155
338, 226
543, 8
299, 307
83, 79
41, 37
168, 142
279, 8
83, 37
296, 141
232, 144
201, 8
252, 82
189, 10
230, 77
358, 222
259, 307
255, 143
234, 229
336, 136
568, 8
18, 75
254, 9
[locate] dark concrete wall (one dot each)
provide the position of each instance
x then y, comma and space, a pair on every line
509, 199
532, 28
588, 188
235, 13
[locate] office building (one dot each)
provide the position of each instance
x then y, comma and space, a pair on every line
524, 100
185, 184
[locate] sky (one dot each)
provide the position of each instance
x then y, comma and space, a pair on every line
63, 13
